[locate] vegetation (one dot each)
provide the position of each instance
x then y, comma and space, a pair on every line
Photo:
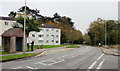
64, 23
5, 53
73, 46
12, 57
96, 32
48, 46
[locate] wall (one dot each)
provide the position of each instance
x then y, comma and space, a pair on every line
45, 38
4, 27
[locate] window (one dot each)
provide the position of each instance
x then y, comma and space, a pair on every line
33, 35
56, 35
56, 41
47, 41
6, 23
57, 30
40, 35
47, 29
52, 40
41, 29
52, 29
40, 41
47, 35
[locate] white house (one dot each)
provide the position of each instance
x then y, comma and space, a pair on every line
5, 24
48, 35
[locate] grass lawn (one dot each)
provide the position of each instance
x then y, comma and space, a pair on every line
5, 53
73, 46
48, 46
11, 57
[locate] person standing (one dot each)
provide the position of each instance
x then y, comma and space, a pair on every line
32, 44
28, 43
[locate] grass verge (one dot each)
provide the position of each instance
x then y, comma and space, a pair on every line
73, 46
13, 57
5, 53
48, 46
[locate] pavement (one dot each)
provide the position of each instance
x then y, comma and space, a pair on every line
85, 57
110, 51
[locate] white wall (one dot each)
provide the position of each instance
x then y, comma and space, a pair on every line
4, 27
45, 38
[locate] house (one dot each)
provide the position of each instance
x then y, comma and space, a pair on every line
48, 35
5, 24
12, 40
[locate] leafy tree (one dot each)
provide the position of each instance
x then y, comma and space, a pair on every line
86, 39
31, 24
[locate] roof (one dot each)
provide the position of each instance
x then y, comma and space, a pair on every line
13, 32
7, 18
47, 25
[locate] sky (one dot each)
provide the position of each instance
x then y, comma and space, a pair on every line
82, 12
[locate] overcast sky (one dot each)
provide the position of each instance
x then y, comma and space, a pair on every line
82, 12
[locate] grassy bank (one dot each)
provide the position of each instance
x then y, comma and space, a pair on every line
48, 46
5, 53
73, 46
13, 57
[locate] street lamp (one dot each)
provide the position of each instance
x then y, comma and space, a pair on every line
105, 34
24, 28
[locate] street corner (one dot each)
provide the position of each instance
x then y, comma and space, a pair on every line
110, 51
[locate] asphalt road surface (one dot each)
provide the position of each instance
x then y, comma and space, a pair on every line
85, 57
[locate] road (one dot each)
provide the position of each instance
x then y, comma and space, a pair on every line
85, 57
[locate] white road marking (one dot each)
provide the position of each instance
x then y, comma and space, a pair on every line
91, 66
29, 67
100, 56
99, 66
17, 67
40, 54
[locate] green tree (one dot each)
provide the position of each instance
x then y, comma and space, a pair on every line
31, 24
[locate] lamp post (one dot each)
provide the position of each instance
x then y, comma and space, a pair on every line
105, 34
24, 28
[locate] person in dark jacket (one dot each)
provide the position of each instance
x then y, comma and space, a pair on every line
32, 44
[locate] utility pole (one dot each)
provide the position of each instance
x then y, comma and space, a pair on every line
24, 28
105, 34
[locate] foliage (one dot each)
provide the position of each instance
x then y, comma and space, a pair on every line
96, 31
63, 22
86, 39
31, 24
48, 46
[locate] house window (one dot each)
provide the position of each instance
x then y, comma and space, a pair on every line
56, 35
33, 35
47, 30
6, 23
47, 35
52, 40
52, 29
56, 41
40, 35
40, 41
57, 30
47, 41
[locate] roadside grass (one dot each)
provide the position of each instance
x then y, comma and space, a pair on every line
73, 46
47, 46
5, 53
13, 57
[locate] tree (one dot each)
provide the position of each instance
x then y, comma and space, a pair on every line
86, 39
12, 14
31, 24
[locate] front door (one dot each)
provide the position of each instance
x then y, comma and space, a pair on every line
18, 44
